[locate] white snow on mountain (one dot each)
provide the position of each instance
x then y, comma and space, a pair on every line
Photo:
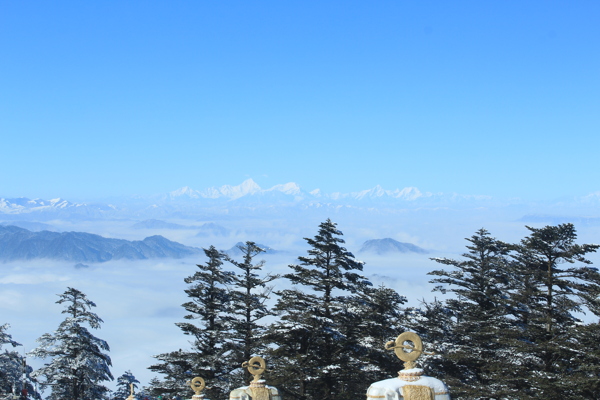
248, 187
23, 205
60, 203
290, 188
185, 191
188, 201
288, 193
408, 193
591, 198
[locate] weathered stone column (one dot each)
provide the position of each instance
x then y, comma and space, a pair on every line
197, 384
258, 389
410, 384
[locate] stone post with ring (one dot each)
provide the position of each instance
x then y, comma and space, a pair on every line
410, 384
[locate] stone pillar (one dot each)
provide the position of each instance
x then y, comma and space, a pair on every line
197, 384
258, 389
410, 384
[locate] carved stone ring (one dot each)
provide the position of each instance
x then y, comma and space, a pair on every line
197, 385
256, 366
401, 349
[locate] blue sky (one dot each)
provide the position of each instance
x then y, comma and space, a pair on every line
121, 98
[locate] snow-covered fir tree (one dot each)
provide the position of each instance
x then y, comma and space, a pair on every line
14, 371
124, 383
479, 354
249, 293
554, 281
210, 356
11, 364
380, 319
433, 321
586, 375
78, 361
315, 339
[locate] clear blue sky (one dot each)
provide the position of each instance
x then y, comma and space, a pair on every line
140, 97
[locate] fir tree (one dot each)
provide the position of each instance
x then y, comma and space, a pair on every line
14, 372
551, 288
78, 364
209, 357
124, 383
249, 294
435, 323
480, 282
11, 364
314, 340
380, 319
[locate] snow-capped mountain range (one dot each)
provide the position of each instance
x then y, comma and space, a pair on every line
249, 188
246, 188
22, 204
187, 201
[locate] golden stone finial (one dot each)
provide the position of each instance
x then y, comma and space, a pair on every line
407, 352
197, 384
256, 366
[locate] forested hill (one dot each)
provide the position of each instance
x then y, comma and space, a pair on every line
21, 244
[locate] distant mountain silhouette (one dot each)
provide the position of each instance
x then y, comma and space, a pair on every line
20, 244
235, 251
387, 245
212, 229
32, 226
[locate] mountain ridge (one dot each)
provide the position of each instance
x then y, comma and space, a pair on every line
21, 244
389, 245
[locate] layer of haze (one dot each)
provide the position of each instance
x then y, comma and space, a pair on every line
123, 98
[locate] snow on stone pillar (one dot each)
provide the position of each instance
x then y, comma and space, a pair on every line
258, 389
410, 384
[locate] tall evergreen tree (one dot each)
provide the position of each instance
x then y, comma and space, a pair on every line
435, 323
380, 319
586, 373
209, 357
79, 363
479, 310
249, 293
11, 364
554, 282
124, 383
314, 342
14, 372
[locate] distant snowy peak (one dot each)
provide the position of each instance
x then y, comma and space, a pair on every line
292, 191
185, 191
231, 192
592, 198
408, 193
246, 188
290, 188
248, 193
23, 205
